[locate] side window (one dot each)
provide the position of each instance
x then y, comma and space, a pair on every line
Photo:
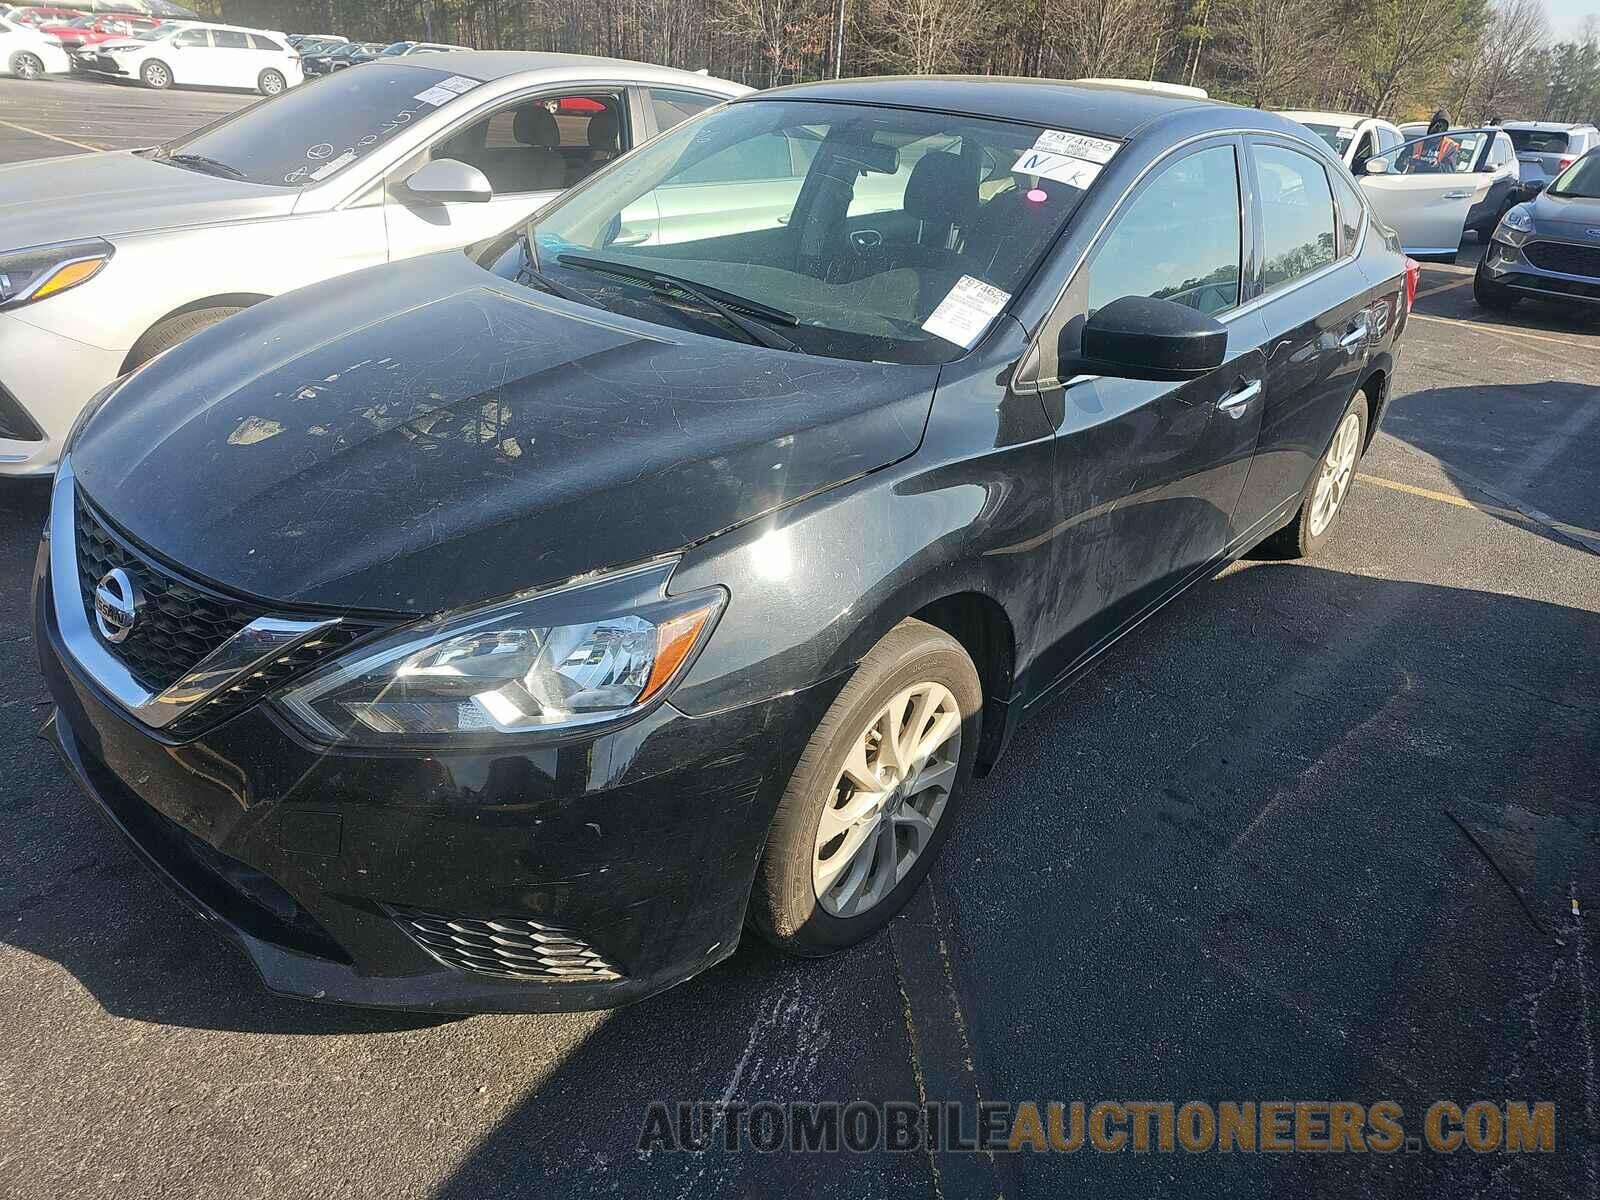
192, 37
1297, 220
770, 156
672, 107
1364, 151
257, 42
228, 39
1388, 139
539, 145
1179, 240
1350, 215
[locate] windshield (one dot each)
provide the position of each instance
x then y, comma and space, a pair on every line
156, 34
852, 232
312, 132
1452, 153
1539, 141
395, 48
1338, 137
1580, 181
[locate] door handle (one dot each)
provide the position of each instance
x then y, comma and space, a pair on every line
1237, 402
1355, 338
1456, 196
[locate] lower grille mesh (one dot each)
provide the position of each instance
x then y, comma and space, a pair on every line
510, 947
1569, 260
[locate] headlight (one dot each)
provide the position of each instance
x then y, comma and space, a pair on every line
1515, 225
43, 271
577, 656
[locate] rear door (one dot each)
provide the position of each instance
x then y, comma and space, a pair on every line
1425, 189
1319, 319
233, 60
1148, 474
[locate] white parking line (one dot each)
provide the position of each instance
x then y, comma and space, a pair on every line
1445, 287
51, 136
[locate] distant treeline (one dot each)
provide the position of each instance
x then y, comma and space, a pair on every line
1480, 59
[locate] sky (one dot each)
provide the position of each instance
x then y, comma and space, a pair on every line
1567, 15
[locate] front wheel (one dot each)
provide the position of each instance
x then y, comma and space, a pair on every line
873, 795
155, 74
27, 66
271, 83
1491, 295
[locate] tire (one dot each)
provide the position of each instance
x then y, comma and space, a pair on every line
156, 74
174, 330
27, 66
799, 901
271, 83
1314, 521
1491, 295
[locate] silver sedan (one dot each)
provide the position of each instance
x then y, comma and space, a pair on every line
109, 259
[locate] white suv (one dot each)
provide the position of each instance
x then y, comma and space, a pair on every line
201, 55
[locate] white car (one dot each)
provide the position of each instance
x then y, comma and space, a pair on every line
1430, 191
1353, 138
193, 55
29, 54
107, 259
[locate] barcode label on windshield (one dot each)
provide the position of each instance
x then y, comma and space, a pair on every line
1077, 145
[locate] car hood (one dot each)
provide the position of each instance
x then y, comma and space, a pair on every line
118, 192
1567, 216
422, 436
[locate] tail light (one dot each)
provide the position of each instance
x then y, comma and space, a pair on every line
1566, 161
1413, 277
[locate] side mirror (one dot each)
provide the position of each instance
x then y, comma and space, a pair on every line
1377, 166
1138, 337
450, 181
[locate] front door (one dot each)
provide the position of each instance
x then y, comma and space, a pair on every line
1425, 189
1148, 474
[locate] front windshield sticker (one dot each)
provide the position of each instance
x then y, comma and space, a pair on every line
966, 311
1076, 145
459, 84
1063, 168
437, 96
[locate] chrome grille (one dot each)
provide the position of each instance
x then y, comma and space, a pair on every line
509, 947
1564, 257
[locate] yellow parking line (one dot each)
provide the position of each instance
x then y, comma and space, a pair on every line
1445, 287
1487, 328
1588, 537
51, 136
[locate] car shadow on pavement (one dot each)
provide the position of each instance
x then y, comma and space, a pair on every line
1521, 451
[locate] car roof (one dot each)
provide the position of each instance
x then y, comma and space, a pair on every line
487, 65
1104, 108
1546, 126
1329, 118
230, 28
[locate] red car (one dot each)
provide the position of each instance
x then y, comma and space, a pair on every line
91, 31
35, 17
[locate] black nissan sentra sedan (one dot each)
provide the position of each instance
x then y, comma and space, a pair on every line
510, 629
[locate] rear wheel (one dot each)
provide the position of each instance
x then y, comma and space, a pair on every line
174, 330
271, 83
1325, 492
873, 795
27, 66
156, 74
1491, 295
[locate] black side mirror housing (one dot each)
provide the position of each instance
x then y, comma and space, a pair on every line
1138, 337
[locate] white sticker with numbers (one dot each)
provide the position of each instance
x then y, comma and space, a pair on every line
1077, 145
1074, 172
966, 311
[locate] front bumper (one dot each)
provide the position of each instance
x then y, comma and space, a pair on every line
331, 869
50, 377
1508, 266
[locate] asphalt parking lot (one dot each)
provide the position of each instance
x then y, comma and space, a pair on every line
1324, 831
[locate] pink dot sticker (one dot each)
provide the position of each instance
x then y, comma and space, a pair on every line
1038, 195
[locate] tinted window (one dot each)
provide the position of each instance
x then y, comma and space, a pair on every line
1178, 240
191, 37
310, 133
1296, 214
264, 43
1539, 141
227, 39
767, 156
672, 107
1350, 215
1388, 139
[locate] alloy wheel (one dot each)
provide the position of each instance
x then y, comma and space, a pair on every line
888, 799
271, 83
1333, 478
156, 76
27, 66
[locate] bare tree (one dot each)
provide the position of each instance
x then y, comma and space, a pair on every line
1276, 47
1098, 38
922, 37
1509, 57
1406, 44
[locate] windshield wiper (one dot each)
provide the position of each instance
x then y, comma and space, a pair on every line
530, 272
209, 166
698, 292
